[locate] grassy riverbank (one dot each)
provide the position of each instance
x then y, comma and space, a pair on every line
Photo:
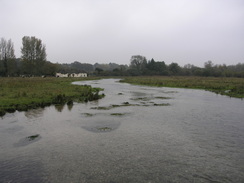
233, 87
26, 93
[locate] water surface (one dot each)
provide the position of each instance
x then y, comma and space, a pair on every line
134, 134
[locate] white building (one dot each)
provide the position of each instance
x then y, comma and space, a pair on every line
73, 75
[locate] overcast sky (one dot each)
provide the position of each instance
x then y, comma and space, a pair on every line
103, 31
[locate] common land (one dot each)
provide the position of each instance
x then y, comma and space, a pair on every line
26, 93
233, 87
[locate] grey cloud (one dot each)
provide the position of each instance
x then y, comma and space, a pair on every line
182, 31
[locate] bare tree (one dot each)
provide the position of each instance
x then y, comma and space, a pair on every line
6, 49
138, 62
6, 54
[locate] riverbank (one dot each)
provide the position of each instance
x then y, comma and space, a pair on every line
233, 87
27, 93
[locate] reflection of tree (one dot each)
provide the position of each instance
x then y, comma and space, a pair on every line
34, 113
70, 106
59, 107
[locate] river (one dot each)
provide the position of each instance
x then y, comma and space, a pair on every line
134, 134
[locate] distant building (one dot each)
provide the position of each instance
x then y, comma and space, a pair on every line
73, 75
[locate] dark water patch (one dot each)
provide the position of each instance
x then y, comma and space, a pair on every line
101, 126
27, 140
118, 114
125, 104
163, 98
21, 171
87, 114
169, 92
164, 104
149, 98
120, 94
141, 98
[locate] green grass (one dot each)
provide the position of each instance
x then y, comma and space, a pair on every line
233, 87
25, 93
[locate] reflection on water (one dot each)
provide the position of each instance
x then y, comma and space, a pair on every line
70, 106
35, 113
59, 107
197, 137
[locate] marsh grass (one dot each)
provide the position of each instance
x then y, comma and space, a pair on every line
26, 93
233, 87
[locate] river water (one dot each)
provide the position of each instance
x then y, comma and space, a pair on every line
134, 134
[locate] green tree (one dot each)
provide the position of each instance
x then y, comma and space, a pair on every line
33, 55
174, 69
208, 68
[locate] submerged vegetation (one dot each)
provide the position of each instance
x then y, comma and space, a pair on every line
25, 93
104, 129
117, 114
33, 137
233, 87
127, 104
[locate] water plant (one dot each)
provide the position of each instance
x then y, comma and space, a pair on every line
117, 114
127, 104
164, 104
104, 128
33, 137
141, 98
163, 98
101, 108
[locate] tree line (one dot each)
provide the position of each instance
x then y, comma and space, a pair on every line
139, 65
33, 62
